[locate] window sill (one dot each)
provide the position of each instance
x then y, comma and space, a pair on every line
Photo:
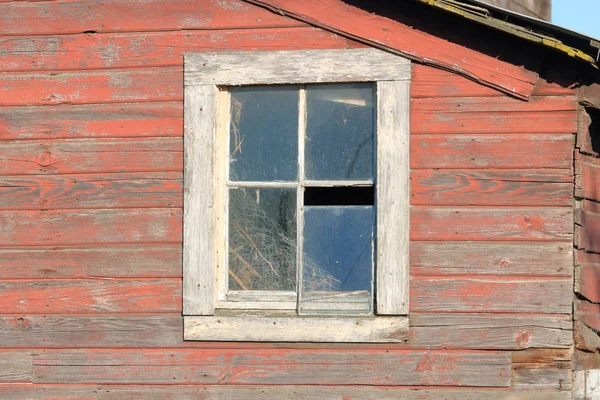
377, 329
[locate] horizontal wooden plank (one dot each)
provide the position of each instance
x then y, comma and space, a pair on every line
531, 151
542, 356
90, 296
118, 50
489, 331
75, 156
92, 121
490, 258
161, 392
544, 114
113, 261
433, 82
16, 366
491, 295
273, 367
61, 17
587, 230
55, 228
588, 313
586, 339
587, 176
125, 190
491, 187
542, 376
103, 86
427, 331
482, 223
587, 275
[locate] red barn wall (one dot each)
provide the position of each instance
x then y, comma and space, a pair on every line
90, 221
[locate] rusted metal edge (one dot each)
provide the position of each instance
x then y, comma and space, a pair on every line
482, 16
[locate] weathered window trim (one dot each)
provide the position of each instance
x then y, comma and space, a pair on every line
210, 316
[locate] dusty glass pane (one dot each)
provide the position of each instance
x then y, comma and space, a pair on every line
340, 131
338, 247
262, 239
264, 133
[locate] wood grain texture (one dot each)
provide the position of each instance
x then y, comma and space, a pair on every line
16, 366
462, 331
186, 392
482, 223
63, 17
126, 190
298, 66
91, 121
543, 187
587, 176
56, 228
76, 156
542, 114
588, 313
587, 275
412, 43
531, 151
297, 329
393, 201
273, 367
199, 212
491, 258
123, 50
587, 228
113, 261
90, 296
532, 376
551, 296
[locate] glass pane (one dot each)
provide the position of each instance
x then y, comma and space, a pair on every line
262, 239
338, 257
339, 132
264, 133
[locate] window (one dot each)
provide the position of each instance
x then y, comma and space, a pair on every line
296, 199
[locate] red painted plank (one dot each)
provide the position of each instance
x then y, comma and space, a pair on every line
274, 367
587, 230
75, 16
543, 114
412, 43
587, 174
90, 296
587, 276
124, 86
55, 228
124, 190
491, 187
93, 120
91, 155
123, 50
482, 223
588, 313
528, 151
551, 296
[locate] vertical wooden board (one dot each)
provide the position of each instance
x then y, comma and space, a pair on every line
548, 224
491, 187
587, 176
90, 296
543, 114
199, 212
549, 296
393, 204
76, 156
491, 258
274, 367
131, 190
61, 17
587, 228
587, 275
103, 86
529, 151
119, 50
588, 313
56, 228
92, 120
16, 366
112, 261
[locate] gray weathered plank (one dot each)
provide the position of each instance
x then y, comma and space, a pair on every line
16, 366
297, 66
541, 376
274, 367
393, 191
297, 329
198, 198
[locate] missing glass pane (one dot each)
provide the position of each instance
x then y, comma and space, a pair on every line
339, 196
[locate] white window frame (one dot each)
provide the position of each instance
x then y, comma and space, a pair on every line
207, 313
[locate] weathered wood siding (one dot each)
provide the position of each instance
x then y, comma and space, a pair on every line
90, 221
